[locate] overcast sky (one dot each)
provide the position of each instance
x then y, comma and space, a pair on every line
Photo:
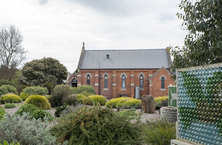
57, 28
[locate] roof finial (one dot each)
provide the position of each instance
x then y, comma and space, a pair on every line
83, 44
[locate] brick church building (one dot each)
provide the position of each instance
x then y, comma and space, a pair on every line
132, 72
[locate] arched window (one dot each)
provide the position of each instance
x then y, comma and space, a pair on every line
88, 80
162, 83
105, 81
123, 81
141, 81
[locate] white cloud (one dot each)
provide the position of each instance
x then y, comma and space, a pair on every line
55, 28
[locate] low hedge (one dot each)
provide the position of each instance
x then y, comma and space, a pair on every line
38, 101
124, 102
96, 99
10, 105
159, 100
10, 98
37, 90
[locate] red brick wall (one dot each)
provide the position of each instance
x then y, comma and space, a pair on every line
155, 83
132, 80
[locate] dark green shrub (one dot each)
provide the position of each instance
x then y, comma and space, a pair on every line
10, 98
10, 105
2, 113
36, 90
24, 96
26, 132
59, 95
96, 126
34, 112
49, 86
84, 89
4, 89
159, 132
59, 110
38, 101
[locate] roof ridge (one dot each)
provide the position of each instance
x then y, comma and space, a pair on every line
126, 49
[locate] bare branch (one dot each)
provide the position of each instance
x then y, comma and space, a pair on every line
12, 52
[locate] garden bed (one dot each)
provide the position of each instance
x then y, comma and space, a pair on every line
144, 117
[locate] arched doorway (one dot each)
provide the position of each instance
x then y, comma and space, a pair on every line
74, 82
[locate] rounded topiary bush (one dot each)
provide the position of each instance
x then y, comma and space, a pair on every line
4, 89
10, 98
94, 99
124, 102
133, 103
98, 99
38, 101
24, 96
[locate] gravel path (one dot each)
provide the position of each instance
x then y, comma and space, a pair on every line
144, 117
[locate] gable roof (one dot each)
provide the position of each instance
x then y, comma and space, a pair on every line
124, 59
158, 72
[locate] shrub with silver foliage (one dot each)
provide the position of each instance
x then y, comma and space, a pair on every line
26, 132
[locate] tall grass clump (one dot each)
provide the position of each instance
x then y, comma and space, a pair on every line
159, 132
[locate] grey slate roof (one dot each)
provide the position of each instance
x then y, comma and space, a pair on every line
125, 59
